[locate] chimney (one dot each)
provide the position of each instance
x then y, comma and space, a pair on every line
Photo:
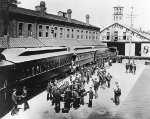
87, 19
69, 11
42, 8
62, 14
37, 8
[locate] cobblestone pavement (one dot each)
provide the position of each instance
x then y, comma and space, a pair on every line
103, 106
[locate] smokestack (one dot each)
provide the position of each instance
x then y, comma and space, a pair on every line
87, 19
42, 8
69, 11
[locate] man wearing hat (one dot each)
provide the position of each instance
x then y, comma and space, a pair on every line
90, 97
116, 93
14, 102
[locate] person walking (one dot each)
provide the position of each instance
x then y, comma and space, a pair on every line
127, 67
48, 91
115, 88
24, 95
96, 85
131, 68
134, 68
118, 93
108, 79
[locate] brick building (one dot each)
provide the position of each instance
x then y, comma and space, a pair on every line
20, 27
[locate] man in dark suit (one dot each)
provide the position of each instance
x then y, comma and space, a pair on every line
57, 97
127, 67
25, 95
108, 79
90, 97
67, 98
96, 86
14, 102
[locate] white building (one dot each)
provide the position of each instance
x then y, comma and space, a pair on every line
119, 35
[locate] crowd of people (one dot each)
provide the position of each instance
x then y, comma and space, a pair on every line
72, 92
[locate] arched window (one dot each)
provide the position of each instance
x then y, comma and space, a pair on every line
37, 69
33, 71
28, 73
23, 74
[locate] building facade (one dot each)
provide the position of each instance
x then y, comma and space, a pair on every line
129, 41
23, 23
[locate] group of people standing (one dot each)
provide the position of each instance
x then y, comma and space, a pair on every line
131, 67
72, 92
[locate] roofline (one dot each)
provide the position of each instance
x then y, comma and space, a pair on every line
39, 16
126, 28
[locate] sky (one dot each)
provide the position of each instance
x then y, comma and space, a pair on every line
100, 11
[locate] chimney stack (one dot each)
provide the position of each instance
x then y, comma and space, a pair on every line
42, 8
69, 11
87, 19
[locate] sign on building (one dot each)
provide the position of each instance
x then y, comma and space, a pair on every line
145, 49
130, 50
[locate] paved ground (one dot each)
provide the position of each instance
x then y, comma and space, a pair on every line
103, 107
137, 103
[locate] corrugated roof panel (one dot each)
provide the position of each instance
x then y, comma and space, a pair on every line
59, 42
25, 42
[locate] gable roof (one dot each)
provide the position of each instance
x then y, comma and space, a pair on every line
133, 31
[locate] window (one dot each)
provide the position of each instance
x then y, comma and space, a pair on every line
68, 33
37, 70
24, 74
96, 36
93, 35
89, 35
40, 31
124, 35
116, 36
72, 36
78, 34
108, 35
28, 72
33, 71
81, 34
61, 32
29, 29
50, 66
47, 31
86, 34
55, 33
20, 29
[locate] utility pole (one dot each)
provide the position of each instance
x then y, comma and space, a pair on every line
131, 16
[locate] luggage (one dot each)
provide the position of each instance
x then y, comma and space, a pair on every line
65, 110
